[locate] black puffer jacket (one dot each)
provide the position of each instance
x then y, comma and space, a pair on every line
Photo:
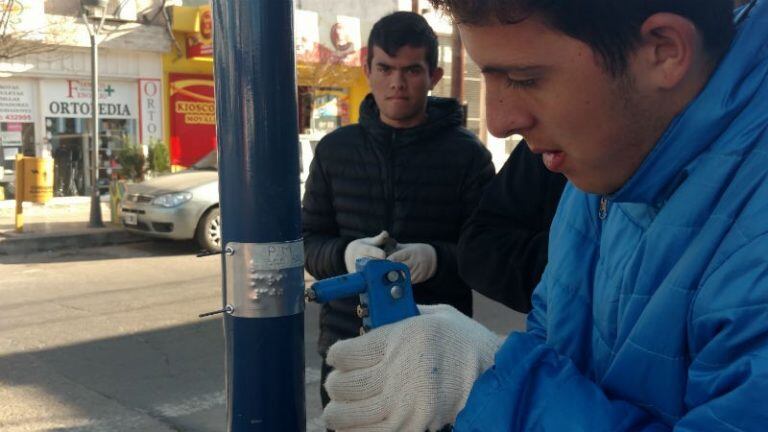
503, 248
420, 184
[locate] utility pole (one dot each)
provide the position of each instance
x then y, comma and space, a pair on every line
263, 258
91, 6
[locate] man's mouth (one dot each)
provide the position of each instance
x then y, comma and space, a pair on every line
553, 159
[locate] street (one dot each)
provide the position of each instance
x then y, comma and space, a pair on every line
108, 339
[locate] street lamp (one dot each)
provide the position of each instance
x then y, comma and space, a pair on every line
89, 7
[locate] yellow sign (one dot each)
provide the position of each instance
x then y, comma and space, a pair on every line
38, 179
34, 183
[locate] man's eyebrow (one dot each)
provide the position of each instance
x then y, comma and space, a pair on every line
521, 69
413, 65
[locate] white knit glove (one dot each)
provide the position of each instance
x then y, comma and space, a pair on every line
421, 259
414, 375
364, 247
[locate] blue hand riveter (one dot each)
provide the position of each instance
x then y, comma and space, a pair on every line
384, 288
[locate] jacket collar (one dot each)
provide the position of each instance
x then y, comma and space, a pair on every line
728, 100
442, 113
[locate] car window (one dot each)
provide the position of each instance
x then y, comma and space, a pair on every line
208, 162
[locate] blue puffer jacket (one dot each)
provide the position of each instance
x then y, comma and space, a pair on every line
654, 317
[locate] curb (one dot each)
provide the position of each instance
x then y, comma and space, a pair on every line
58, 241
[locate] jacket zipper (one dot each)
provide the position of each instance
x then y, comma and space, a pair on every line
390, 186
602, 212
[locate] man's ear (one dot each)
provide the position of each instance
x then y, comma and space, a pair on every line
367, 70
669, 47
435, 77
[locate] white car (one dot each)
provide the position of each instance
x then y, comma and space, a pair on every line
179, 206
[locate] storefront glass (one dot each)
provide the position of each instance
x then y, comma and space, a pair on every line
70, 140
67, 111
322, 109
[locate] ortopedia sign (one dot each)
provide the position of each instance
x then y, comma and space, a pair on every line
150, 116
72, 98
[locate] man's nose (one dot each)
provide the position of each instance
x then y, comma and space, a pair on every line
397, 80
506, 116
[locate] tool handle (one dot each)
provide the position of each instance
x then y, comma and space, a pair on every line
384, 288
338, 287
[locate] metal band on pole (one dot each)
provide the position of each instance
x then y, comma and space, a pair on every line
257, 133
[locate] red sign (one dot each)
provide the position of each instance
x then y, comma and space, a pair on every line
193, 117
196, 47
201, 44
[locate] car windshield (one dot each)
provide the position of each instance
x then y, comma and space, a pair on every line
209, 162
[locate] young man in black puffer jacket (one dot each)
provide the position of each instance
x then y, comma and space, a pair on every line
408, 171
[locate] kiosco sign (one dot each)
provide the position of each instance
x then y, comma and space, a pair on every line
72, 98
193, 117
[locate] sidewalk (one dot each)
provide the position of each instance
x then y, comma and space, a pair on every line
59, 224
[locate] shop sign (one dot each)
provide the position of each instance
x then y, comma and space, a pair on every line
150, 116
326, 38
306, 35
200, 44
318, 38
16, 101
72, 99
193, 117
340, 41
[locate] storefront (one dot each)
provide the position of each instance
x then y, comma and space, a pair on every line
45, 95
52, 116
66, 109
17, 127
331, 83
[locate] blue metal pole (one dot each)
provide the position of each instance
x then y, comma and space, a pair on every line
257, 130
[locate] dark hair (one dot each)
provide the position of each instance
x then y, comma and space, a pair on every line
610, 27
399, 29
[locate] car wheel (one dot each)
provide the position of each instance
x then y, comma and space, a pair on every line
209, 231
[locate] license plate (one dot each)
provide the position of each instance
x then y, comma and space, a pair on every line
130, 218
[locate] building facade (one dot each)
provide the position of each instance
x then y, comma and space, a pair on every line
45, 85
330, 49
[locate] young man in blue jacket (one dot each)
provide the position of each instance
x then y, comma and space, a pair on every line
652, 313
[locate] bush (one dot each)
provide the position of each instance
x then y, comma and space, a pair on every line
159, 158
132, 162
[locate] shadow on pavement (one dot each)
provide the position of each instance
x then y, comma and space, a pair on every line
169, 379
172, 376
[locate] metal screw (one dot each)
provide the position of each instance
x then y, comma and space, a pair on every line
396, 292
393, 276
310, 295
230, 251
362, 311
228, 309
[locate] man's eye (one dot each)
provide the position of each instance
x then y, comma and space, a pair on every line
520, 84
383, 69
